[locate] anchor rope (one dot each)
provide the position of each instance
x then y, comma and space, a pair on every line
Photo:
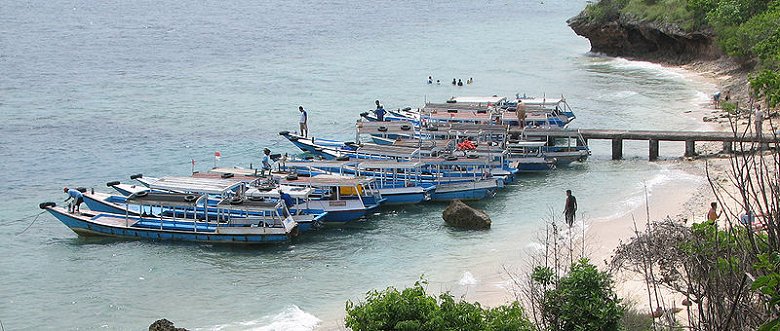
31, 223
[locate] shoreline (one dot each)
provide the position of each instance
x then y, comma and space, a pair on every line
676, 199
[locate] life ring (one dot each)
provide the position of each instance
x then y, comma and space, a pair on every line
382, 129
190, 198
451, 158
112, 184
406, 127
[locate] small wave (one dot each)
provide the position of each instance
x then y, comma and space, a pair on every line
290, 319
467, 279
658, 69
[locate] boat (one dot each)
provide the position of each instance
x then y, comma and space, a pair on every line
226, 230
343, 199
231, 190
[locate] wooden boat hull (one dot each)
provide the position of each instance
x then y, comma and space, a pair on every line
110, 225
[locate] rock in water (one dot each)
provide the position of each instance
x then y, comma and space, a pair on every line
164, 325
460, 215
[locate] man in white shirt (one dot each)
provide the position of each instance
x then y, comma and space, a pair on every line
303, 121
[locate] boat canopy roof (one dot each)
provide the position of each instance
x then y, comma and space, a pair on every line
166, 199
540, 102
382, 128
460, 161
250, 205
391, 151
524, 143
328, 181
294, 192
479, 100
194, 184
235, 171
380, 164
319, 164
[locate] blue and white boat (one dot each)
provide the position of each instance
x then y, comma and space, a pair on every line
343, 199
225, 230
397, 182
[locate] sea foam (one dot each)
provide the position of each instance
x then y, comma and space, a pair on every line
467, 279
291, 318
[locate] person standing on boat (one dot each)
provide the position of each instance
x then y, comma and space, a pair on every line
521, 113
77, 197
570, 210
380, 112
266, 162
303, 122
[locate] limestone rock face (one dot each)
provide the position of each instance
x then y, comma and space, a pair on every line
626, 36
460, 215
164, 325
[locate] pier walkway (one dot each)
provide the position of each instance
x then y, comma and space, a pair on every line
653, 137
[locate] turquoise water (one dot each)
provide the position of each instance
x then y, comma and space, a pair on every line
94, 92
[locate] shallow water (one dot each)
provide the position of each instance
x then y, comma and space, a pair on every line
94, 92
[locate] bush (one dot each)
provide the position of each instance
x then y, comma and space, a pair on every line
413, 309
581, 300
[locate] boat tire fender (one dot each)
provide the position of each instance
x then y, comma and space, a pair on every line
112, 184
342, 158
407, 109
227, 175
382, 129
406, 127
190, 198
284, 133
472, 156
136, 176
291, 177
44, 205
451, 158
141, 194
236, 201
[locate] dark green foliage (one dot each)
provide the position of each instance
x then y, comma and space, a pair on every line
413, 309
581, 300
769, 286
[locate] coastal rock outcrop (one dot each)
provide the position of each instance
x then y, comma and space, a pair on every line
461, 215
164, 325
624, 35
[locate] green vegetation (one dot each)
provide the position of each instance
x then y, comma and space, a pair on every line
582, 300
413, 309
745, 29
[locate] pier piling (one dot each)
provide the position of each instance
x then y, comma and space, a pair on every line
653, 153
690, 148
617, 148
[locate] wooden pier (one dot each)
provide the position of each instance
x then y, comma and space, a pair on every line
654, 137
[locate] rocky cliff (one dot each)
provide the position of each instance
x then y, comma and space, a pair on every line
626, 36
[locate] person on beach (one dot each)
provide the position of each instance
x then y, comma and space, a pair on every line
380, 111
716, 99
77, 197
713, 215
570, 210
266, 162
727, 97
303, 122
758, 120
